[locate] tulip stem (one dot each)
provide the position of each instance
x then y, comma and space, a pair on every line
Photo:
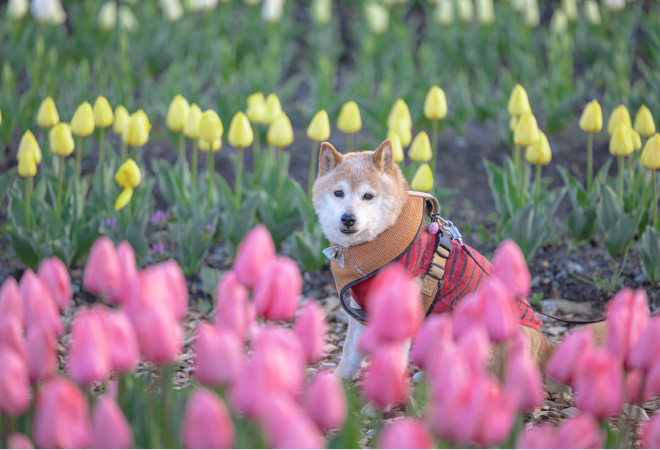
102, 162
60, 180
537, 187
124, 152
523, 184
312, 171
434, 146
194, 164
182, 147
654, 218
239, 177
516, 157
590, 161
271, 154
165, 388
280, 172
28, 193
349, 142
622, 168
133, 153
256, 146
79, 150
210, 161
631, 174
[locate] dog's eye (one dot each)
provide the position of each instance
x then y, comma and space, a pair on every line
339, 194
367, 196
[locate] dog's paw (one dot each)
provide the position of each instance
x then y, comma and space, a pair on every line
347, 371
372, 411
555, 387
418, 377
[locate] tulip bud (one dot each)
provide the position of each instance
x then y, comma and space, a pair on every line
319, 128
423, 179
47, 115
649, 431
591, 120
206, 147
619, 115
19, 441
397, 148
27, 167
570, 9
41, 354
510, 266
615, 5
191, 128
107, 18
273, 109
286, 425
465, 10
310, 327
177, 113
651, 153
88, 356
240, 131
599, 372
378, 17
434, 334
136, 132
121, 120
276, 295
16, 9
123, 349
232, 308
103, 273
621, 142
485, 12
559, 22
435, 104
326, 402
271, 11
48, 12
29, 144
206, 423
159, 334
349, 120
405, 433
527, 131
322, 12
127, 20
103, 116
518, 102
403, 131
592, 12
110, 427
539, 153
399, 113
14, 382
60, 139
420, 150
254, 256
532, 14
10, 300
523, 377
443, 14
644, 123
385, 382
256, 108
82, 123
280, 132
39, 309
210, 126
53, 273
218, 355
172, 10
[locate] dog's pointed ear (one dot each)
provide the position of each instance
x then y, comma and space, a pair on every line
329, 158
383, 157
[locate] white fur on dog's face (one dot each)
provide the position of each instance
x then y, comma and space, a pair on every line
366, 186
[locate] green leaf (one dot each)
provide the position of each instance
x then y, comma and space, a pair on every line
619, 236
25, 247
609, 209
210, 279
583, 223
6, 179
649, 252
528, 230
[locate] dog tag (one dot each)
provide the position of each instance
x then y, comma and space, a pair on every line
434, 228
335, 253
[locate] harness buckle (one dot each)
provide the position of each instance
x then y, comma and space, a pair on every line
449, 226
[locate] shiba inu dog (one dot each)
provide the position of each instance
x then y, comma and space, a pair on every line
359, 199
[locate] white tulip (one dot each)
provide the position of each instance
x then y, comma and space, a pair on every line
322, 11
485, 12
378, 17
271, 11
48, 12
592, 12
127, 19
465, 10
108, 16
16, 9
532, 15
570, 8
444, 13
614, 5
172, 9
559, 22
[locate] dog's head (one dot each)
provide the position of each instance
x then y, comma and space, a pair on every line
357, 196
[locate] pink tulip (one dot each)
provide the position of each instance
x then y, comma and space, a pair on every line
10, 300
123, 348
41, 355
61, 418
276, 295
128, 265
19, 441
11, 334
310, 327
448, 372
14, 382
647, 348
53, 273
405, 433
395, 311
600, 372
650, 432
510, 267
326, 402
250, 391
434, 335
564, 363
218, 355
582, 431
474, 344
88, 356
279, 356
232, 307
385, 382
285, 425
110, 427
255, 254
39, 309
627, 316
175, 282
652, 385
103, 272
539, 437
523, 377
635, 387
159, 334
206, 422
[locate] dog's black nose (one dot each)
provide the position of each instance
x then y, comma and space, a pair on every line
348, 220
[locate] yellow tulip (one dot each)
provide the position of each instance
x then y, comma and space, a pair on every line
124, 198
349, 120
256, 108
273, 109
527, 131
322, 11
443, 14
319, 127
210, 126
644, 123
465, 10
128, 175
205, 146
60, 139
177, 113
570, 9
559, 22
82, 123
27, 166
435, 104
47, 115
651, 153
485, 12
592, 12
399, 113
136, 133
122, 117
191, 129
518, 102
619, 115
591, 120
513, 122
30, 145
539, 153
103, 116
420, 149
280, 132
240, 131
636, 138
397, 148
404, 132
423, 179
621, 142
378, 17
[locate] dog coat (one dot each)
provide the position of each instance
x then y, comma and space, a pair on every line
445, 272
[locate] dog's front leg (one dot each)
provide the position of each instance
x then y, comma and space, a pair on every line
351, 358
